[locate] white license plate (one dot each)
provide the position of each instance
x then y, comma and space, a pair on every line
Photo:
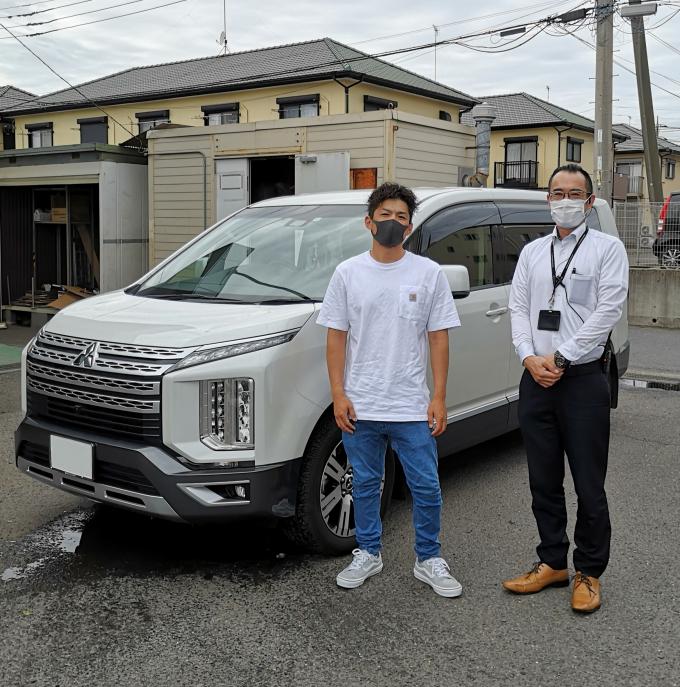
72, 457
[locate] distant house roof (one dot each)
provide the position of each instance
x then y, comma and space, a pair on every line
635, 144
522, 111
12, 97
294, 63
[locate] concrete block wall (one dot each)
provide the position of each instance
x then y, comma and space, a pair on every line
654, 299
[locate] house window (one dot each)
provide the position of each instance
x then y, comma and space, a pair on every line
298, 106
94, 130
670, 169
574, 149
445, 116
40, 135
8, 138
226, 113
521, 149
149, 120
373, 104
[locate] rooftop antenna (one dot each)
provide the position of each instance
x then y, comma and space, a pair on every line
222, 41
547, 88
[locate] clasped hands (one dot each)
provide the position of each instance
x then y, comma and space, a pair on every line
543, 369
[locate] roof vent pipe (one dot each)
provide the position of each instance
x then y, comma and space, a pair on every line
483, 115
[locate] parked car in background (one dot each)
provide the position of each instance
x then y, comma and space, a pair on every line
200, 393
666, 247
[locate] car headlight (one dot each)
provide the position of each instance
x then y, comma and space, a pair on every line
208, 355
227, 413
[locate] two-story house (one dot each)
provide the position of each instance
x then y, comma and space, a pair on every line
629, 162
214, 134
530, 137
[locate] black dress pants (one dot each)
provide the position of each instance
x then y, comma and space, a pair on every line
571, 417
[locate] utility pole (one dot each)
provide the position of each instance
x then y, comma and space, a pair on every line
436, 36
604, 62
649, 138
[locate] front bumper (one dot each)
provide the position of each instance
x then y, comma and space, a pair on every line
152, 480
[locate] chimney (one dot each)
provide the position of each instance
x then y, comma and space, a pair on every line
483, 115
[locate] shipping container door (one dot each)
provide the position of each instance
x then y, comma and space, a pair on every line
232, 181
319, 172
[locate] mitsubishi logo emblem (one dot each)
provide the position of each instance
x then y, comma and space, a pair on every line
88, 357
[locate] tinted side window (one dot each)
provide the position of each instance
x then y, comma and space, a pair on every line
511, 241
593, 220
461, 235
525, 212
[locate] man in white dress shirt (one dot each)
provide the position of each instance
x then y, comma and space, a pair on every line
568, 294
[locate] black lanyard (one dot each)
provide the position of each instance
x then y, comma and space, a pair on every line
558, 281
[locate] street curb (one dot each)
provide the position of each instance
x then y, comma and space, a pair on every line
653, 375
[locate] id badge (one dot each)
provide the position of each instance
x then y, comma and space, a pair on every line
549, 320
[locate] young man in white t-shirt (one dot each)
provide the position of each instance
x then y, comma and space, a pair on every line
382, 309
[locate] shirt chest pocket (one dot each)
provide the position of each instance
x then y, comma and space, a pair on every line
582, 289
413, 303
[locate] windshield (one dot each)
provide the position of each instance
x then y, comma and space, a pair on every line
278, 254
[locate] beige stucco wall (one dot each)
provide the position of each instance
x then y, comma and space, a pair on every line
257, 104
547, 150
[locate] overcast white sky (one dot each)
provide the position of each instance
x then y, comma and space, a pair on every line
191, 29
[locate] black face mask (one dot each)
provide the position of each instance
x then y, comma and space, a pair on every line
390, 233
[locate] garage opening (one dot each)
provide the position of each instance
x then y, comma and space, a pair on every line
271, 177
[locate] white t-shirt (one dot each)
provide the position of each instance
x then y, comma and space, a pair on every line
388, 310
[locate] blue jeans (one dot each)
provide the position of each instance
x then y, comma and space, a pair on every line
417, 452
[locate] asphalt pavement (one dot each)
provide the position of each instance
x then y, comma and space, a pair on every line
92, 596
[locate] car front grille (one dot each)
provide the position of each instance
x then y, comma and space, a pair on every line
103, 387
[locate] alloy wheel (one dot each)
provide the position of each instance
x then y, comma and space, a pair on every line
335, 493
671, 257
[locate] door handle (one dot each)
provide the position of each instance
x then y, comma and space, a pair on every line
496, 312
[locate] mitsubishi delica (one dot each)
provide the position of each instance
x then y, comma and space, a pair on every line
200, 392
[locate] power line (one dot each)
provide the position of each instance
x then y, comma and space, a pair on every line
66, 81
78, 14
50, 9
29, 4
96, 21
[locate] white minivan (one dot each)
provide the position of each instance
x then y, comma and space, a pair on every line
200, 392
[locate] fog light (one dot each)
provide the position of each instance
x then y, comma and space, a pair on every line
240, 491
227, 413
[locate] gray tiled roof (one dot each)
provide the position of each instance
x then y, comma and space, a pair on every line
634, 143
11, 97
522, 110
292, 63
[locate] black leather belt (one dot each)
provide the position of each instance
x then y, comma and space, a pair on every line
585, 369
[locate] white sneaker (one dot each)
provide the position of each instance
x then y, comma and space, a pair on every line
360, 569
436, 573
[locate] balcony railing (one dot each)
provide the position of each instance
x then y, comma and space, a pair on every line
522, 174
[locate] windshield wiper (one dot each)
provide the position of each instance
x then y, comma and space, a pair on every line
287, 301
189, 296
301, 296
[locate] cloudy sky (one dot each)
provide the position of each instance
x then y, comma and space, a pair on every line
560, 63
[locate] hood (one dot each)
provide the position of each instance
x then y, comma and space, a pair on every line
121, 318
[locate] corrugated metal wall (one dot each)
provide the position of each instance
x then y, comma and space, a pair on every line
16, 225
430, 156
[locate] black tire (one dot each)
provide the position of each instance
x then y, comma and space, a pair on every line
333, 532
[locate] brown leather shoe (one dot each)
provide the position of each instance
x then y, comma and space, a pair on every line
538, 578
585, 596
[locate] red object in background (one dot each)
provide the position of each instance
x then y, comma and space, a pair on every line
662, 217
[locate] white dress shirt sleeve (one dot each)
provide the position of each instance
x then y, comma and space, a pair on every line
612, 292
520, 309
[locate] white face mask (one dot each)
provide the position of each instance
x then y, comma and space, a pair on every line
568, 214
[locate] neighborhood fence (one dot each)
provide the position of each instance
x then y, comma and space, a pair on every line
637, 223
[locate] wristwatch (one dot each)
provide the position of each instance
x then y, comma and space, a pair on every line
561, 361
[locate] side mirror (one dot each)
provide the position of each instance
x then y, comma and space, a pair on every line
459, 280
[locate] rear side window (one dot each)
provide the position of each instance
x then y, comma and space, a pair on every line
522, 222
511, 239
461, 235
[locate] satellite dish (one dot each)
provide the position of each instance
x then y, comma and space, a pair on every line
223, 38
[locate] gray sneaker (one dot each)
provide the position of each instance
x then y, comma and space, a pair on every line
436, 573
360, 569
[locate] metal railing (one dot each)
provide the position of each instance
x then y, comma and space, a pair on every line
521, 174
